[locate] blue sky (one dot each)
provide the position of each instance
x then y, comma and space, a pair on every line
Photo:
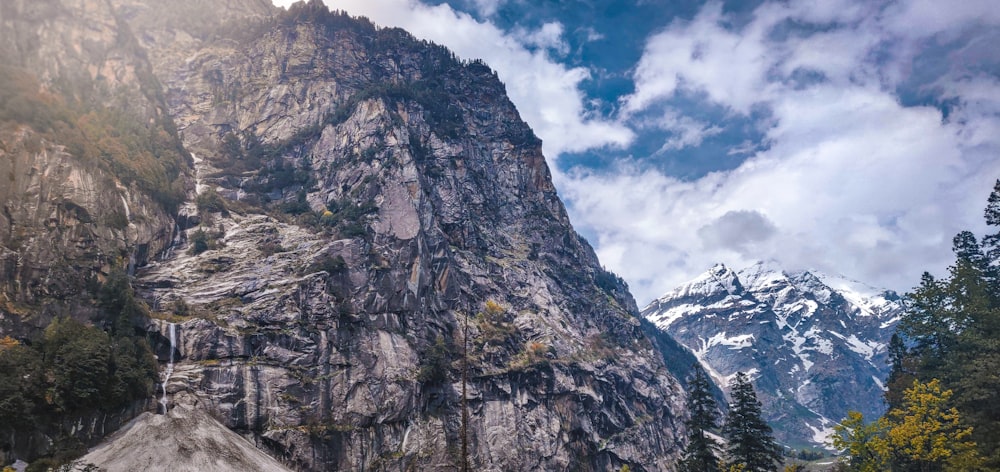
854, 137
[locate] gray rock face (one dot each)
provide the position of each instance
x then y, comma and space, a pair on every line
69, 72
425, 211
815, 346
373, 224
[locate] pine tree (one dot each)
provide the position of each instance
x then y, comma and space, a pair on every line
750, 442
902, 373
991, 243
700, 453
952, 327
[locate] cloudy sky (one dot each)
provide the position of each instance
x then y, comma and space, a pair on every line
854, 137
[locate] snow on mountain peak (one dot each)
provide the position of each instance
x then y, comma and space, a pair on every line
817, 343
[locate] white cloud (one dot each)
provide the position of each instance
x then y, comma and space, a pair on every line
487, 8
851, 180
847, 179
917, 19
546, 92
702, 55
684, 130
549, 36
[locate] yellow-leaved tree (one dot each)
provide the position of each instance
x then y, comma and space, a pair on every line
923, 434
863, 446
929, 434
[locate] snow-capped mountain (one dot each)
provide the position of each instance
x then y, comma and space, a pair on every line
815, 345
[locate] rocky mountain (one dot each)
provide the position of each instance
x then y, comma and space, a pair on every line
345, 237
814, 345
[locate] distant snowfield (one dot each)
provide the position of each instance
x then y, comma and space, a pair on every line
814, 344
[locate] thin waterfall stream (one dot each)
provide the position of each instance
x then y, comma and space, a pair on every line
172, 329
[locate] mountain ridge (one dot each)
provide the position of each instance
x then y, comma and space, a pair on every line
807, 340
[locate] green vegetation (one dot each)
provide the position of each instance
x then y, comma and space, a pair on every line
436, 364
535, 355
750, 445
494, 327
943, 390
347, 217
75, 369
147, 155
202, 240
808, 455
701, 453
210, 201
610, 282
923, 434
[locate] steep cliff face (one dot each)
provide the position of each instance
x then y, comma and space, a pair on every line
91, 172
814, 345
78, 194
384, 210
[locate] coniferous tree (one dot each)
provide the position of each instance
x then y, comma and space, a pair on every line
952, 329
700, 453
751, 446
991, 243
901, 374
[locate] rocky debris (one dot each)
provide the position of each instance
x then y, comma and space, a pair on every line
814, 345
186, 438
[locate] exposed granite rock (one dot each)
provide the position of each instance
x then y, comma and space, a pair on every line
66, 219
385, 207
452, 213
63, 221
85, 146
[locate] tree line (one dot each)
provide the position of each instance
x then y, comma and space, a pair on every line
750, 445
74, 369
943, 392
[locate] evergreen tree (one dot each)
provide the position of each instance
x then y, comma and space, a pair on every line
751, 446
991, 243
700, 453
952, 327
902, 373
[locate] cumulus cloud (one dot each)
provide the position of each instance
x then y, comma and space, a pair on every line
546, 92
549, 36
487, 8
684, 131
850, 179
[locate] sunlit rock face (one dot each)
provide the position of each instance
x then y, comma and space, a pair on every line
814, 345
386, 212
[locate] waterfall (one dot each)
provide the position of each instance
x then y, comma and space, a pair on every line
130, 269
172, 328
175, 240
